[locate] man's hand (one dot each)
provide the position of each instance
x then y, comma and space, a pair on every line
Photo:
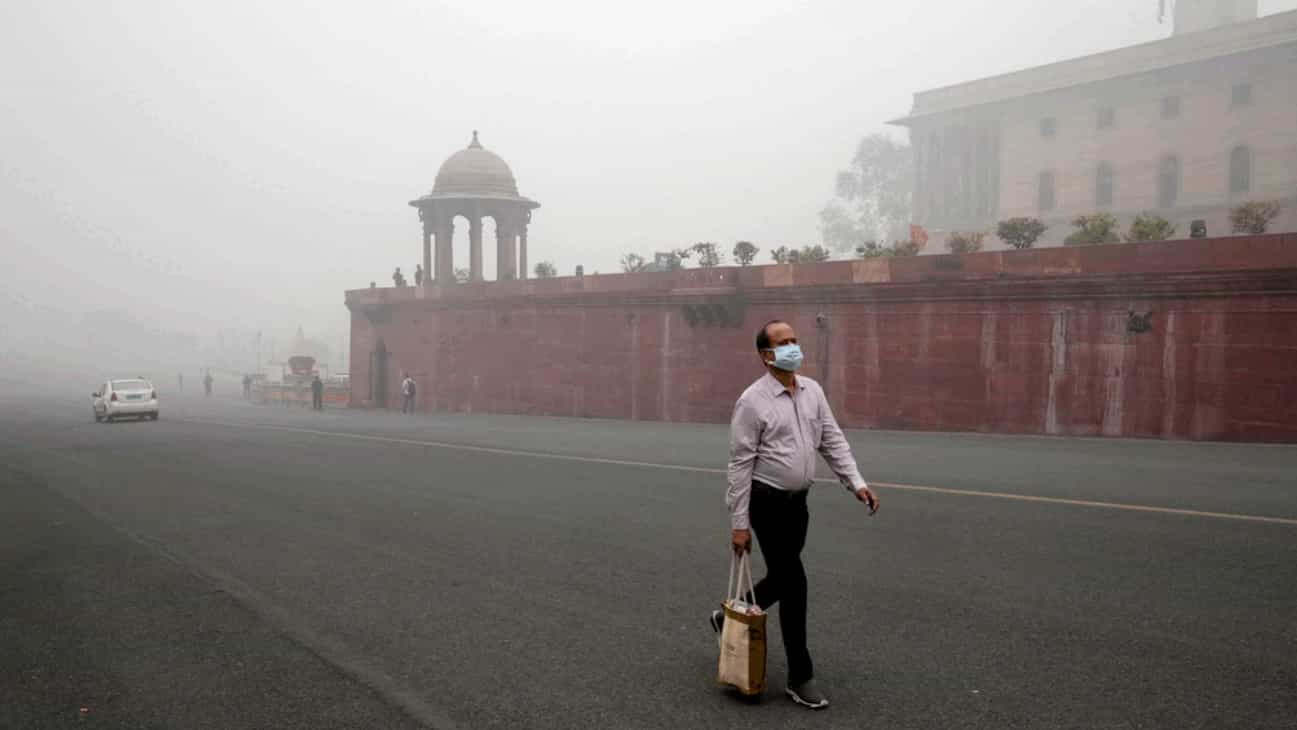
865, 495
741, 540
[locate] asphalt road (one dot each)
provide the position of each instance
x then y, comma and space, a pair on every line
237, 566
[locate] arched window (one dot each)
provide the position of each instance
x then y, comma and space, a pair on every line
1168, 181
1045, 192
1103, 186
1240, 169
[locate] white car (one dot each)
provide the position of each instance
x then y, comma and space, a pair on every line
131, 397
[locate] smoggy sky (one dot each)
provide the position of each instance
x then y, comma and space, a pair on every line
240, 164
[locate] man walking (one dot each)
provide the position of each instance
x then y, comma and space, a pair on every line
207, 384
779, 423
317, 393
407, 394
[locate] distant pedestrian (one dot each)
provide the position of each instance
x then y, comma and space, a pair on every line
247, 387
180, 379
207, 384
418, 274
398, 278
317, 393
779, 423
408, 391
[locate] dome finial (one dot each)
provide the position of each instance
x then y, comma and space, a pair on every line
475, 145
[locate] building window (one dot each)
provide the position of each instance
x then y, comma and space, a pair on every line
1240, 169
1045, 192
1240, 95
1048, 127
1103, 186
1170, 107
1106, 117
1168, 181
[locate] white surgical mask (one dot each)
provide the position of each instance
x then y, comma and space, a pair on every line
787, 357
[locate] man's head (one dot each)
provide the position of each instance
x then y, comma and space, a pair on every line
774, 334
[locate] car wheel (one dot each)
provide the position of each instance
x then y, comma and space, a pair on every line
153, 416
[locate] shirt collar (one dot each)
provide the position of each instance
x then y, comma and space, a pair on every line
775, 387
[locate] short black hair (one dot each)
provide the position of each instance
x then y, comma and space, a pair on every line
763, 334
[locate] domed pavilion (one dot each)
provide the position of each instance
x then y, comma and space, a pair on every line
475, 183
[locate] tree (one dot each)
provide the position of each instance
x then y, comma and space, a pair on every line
462, 276
873, 195
546, 270
783, 255
1020, 232
675, 260
1254, 217
1093, 229
813, 254
744, 252
633, 263
965, 242
1149, 227
708, 254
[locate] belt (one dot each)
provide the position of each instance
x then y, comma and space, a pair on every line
777, 493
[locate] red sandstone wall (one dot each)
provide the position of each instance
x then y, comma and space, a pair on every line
1020, 342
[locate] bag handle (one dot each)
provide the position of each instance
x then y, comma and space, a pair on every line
734, 586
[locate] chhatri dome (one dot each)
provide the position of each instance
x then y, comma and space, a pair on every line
474, 184
475, 171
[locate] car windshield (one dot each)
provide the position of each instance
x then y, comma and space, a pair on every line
130, 385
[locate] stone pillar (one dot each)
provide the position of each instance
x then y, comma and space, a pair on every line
475, 247
522, 251
445, 228
503, 263
427, 247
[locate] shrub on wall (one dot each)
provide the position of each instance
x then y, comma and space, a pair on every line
872, 250
1149, 227
1020, 232
745, 252
965, 242
905, 248
1093, 229
708, 254
813, 254
783, 255
632, 263
804, 255
1254, 217
545, 270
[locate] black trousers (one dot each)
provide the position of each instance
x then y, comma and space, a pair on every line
779, 520
317, 401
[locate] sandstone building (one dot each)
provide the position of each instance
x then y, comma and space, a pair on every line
1185, 127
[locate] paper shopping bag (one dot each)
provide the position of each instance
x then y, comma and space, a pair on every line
743, 636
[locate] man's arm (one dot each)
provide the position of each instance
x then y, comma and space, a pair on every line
745, 439
837, 453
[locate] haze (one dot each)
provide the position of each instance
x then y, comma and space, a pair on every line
205, 166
